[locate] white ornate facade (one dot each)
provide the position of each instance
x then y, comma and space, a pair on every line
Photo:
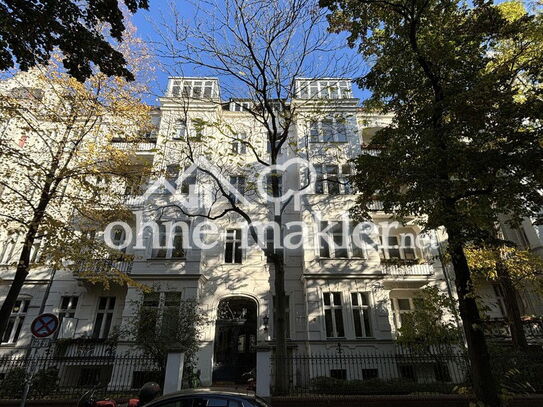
353, 296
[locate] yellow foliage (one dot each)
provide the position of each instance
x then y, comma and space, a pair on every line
522, 265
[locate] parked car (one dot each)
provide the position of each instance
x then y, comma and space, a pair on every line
208, 398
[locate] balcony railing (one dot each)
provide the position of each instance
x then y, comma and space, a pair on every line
104, 266
141, 144
499, 329
408, 269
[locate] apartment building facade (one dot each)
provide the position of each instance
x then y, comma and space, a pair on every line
339, 293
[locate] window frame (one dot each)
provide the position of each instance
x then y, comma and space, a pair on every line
324, 89
238, 144
108, 312
333, 308
399, 247
168, 248
397, 312
332, 176
337, 127
233, 236
349, 241
364, 313
16, 320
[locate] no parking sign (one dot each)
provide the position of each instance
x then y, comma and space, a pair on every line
44, 325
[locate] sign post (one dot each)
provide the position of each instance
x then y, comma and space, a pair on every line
42, 326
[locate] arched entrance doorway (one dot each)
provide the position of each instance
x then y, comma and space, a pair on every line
234, 352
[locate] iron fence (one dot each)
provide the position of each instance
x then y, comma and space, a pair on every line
375, 373
442, 370
67, 373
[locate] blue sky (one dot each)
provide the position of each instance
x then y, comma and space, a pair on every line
146, 20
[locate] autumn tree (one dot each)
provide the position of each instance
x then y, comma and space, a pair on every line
31, 31
463, 147
60, 173
515, 270
258, 50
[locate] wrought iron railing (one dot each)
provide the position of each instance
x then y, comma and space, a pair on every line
499, 329
54, 375
104, 266
375, 373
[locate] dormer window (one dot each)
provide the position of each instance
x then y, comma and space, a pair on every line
324, 89
238, 106
194, 88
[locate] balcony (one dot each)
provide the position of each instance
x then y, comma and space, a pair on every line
103, 266
143, 144
407, 269
498, 329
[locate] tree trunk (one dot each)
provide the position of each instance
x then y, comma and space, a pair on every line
17, 284
23, 265
483, 381
280, 328
510, 299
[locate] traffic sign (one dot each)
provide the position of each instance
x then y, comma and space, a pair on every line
44, 325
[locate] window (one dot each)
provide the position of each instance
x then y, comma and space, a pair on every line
188, 181
172, 174
330, 180
197, 132
23, 92
408, 248
170, 313
370, 374
35, 253
8, 248
337, 243
328, 130
287, 314
232, 251
393, 249
16, 320
238, 145
68, 306
118, 237
361, 314
269, 178
333, 315
238, 183
137, 184
162, 309
400, 307
170, 247
238, 106
407, 372
314, 132
340, 374
324, 89
104, 317
442, 373
160, 252
89, 376
327, 180
181, 130
194, 88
